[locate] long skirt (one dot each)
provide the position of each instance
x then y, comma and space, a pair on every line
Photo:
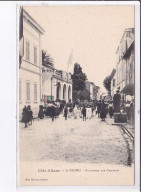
69, 114
103, 115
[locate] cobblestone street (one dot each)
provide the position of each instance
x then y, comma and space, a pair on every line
74, 140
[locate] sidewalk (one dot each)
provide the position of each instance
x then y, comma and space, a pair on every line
129, 125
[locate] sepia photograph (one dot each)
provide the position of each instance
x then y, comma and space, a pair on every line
76, 102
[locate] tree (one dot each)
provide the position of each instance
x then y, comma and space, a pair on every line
107, 81
78, 78
47, 59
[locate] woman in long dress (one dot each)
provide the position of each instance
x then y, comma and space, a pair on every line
89, 112
103, 111
75, 112
69, 112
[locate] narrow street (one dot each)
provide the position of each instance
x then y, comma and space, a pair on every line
74, 140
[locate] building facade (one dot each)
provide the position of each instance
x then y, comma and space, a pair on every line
123, 79
56, 84
113, 84
96, 93
30, 72
125, 59
90, 88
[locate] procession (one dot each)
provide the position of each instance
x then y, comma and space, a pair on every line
80, 109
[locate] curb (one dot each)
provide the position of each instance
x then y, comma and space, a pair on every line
119, 124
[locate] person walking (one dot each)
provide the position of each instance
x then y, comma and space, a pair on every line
52, 112
98, 108
29, 114
25, 116
84, 113
103, 111
41, 112
110, 109
89, 112
65, 112
75, 112
92, 110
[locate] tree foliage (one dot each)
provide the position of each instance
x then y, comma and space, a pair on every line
107, 81
78, 78
47, 59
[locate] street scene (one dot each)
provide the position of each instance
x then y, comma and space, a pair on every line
76, 141
77, 85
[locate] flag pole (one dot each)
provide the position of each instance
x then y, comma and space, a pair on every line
69, 63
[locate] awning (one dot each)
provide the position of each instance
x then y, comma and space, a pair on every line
128, 89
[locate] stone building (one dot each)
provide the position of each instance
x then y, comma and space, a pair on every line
125, 64
96, 93
57, 84
30, 72
113, 87
90, 88
113, 84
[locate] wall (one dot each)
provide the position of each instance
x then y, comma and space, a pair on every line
29, 71
57, 78
130, 68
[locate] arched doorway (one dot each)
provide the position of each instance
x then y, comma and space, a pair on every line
64, 92
69, 93
58, 96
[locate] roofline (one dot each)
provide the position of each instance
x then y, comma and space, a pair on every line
53, 68
126, 30
33, 22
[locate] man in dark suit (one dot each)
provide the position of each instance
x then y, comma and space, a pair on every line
84, 113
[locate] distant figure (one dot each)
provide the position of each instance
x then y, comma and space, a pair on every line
84, 113
111, 109
89, 112
78, 111
98, 108
80, 114
41, 112
75, 112
93, 108
103, 111
52, 112
116, 101
29, 114
65, 112
69, 112
25, 116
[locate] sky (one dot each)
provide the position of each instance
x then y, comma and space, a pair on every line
93, 33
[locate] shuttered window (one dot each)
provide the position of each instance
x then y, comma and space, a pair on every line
27, 91
27, 51
35, 55
35, 92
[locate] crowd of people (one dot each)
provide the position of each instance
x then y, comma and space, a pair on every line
87, 111
80, 109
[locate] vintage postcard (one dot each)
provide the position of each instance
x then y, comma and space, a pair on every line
76, 95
